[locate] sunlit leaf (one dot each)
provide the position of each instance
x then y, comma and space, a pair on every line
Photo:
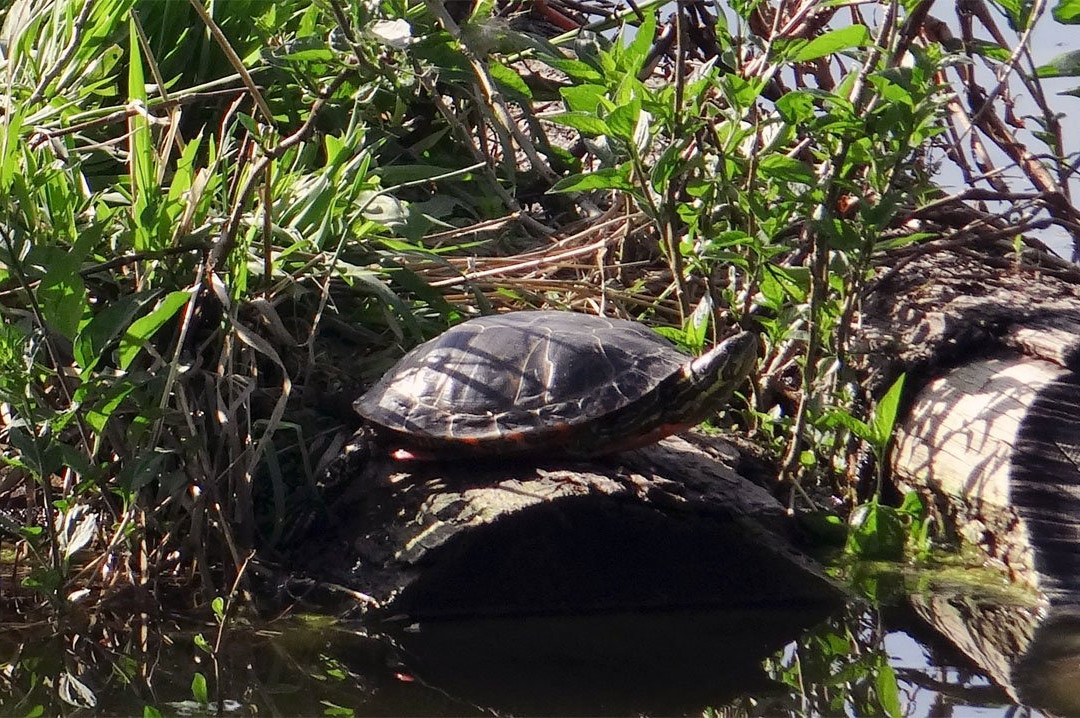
587, 124
623, 120
141, 156
198, 689
638, 49
607, 178
509, 79
833, 41
697, 324
576, 69
888, 691
787, 169
62, 296
885, 413
79, 529
1067, 12
796, 107
876, 532
395, 33
144, 327
105, 328
332, 709
1064, 65
583, 98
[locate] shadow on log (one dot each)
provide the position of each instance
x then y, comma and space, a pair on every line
991, 344
668, 526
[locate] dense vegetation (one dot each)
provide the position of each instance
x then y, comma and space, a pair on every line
219, 221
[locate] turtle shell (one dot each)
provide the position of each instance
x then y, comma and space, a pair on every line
526, 381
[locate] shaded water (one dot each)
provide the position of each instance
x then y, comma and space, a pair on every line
864, 660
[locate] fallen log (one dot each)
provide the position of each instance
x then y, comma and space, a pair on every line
667, 526
991, 344
995, 440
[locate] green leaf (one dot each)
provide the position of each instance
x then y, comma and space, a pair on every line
105, 328
833, 41
509, 79
888, 691
586, 124
876, 532
1067, 12
151, 712
991, 50
218, 607
141, 159
62, 295
841, 417
1064, 65
198, 689
576, 69
913, 505
697, 324
780, 283
332, 709
202, 644
1018, 12
787, 169
884, 420
248, 122
623, 120
607, 178
638, 49
796, 107
584, 98
144, 327
138, 473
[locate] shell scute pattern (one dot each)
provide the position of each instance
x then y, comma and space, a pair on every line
509, 377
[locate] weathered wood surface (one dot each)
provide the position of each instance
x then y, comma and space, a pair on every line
991, 343
667, 526
960, 440
932, 310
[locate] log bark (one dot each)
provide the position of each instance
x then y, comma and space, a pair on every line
991, 343
667, 526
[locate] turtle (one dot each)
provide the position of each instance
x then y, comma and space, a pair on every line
547, 383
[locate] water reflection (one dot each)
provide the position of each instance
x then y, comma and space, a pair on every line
934, 655
628, 664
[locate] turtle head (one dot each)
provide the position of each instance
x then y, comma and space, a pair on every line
727, 363
715, 374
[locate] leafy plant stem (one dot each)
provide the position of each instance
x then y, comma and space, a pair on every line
828, 175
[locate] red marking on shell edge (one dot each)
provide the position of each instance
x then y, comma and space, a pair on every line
650, 437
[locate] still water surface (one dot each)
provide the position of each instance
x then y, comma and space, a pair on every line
893, 658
